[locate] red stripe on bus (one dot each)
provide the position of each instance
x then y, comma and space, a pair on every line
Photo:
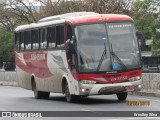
39, 67
110, 78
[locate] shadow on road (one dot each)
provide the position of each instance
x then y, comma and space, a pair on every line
91, 100
87, 100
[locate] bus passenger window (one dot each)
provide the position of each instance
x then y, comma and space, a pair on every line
60, 36
35, 40
17, 41
43, 39
51, 34
27, 40
21, 40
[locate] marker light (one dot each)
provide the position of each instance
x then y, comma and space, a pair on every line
139, 86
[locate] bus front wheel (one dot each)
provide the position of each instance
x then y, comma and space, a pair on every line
122, 96
68, 96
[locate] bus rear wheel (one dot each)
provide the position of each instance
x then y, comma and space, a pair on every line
122, 96
45, 95
68, 96
37, 94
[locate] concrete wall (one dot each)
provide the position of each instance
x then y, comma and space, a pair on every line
151, 81
8, 78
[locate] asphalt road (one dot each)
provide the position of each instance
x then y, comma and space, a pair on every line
19, 99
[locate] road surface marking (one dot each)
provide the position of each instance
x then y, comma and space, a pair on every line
84, 110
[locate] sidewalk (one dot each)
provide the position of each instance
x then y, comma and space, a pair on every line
147, 92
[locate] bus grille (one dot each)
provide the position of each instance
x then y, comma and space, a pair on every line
111, 90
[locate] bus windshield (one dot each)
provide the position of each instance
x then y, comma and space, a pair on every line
107, 47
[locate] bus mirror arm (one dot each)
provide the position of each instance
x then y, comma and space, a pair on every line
72, 66
73, 38
72, 46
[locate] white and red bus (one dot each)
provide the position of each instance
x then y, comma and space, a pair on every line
79, 54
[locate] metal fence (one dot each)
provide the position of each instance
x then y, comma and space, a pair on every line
151, 64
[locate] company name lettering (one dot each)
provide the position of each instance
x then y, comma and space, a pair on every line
119, 78
38, 57
120, 26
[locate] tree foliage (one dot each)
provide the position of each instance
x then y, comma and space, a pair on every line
145, 16
100, 6
12, 14
147, 20
6, 46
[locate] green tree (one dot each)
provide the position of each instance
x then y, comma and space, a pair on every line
146, 19
156, 39
6, 46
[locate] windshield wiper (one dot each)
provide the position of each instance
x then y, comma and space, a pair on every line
118, 59
102, 57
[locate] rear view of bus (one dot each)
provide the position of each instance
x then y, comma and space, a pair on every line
100, 57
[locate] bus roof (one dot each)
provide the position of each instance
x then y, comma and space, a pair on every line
99, 18
66, 16
75, 18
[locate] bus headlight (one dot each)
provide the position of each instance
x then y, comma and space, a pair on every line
134, 78
138, 77
88, 82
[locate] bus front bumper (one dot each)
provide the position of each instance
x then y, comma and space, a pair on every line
106, 89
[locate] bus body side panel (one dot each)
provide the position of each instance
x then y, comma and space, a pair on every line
34, 64
57, 59
23, 77
22, 80
48, 72
45, 84
39, 68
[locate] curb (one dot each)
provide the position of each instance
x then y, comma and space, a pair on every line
8, 83
144, 92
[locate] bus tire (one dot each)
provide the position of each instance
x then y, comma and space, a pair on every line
45, 95
68, 96
122, 96
37, 94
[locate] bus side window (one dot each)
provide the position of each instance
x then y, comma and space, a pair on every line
43, 38
28, 40
60, 36
35, 39
17, 35
22, 41
51, 34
